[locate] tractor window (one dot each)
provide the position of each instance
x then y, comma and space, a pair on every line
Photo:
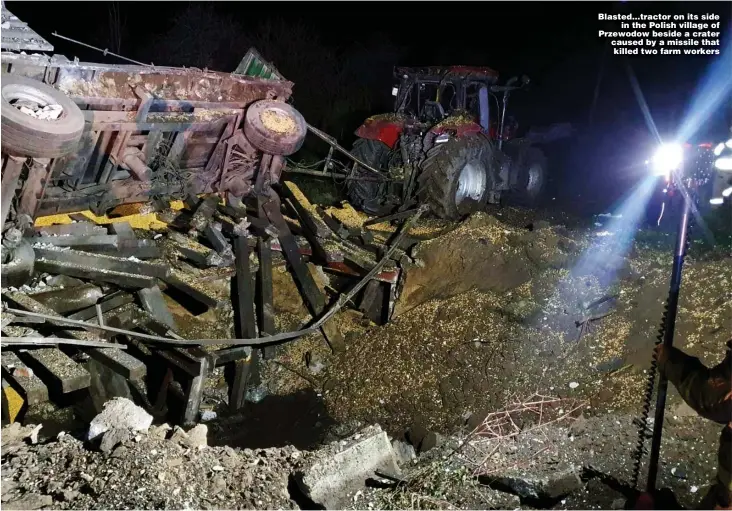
448, 98
473, 100
428, 109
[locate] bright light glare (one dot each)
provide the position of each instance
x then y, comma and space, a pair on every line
718, 150
729, 143
727, 192
723, 163
716, 201
668, 157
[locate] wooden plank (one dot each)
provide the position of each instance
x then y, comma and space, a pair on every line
244, 303
194, 393
152, 301
31, 387
200, 115
190, 289
150, 147
265, 293
246, 323
117, 360
59, 367
155, 126
146, 101
307, 211
127, 280
120, 362
313, 297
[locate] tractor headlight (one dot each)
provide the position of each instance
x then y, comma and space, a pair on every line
668, 158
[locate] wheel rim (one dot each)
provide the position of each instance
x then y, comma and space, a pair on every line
19, 96
535, 176
471, 183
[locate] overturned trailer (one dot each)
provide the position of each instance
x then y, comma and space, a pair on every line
94, 136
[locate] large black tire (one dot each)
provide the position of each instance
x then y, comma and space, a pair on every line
367, 194
439, 180
23, 135
531, 166
274, 127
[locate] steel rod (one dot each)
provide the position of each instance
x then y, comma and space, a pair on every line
668, 340
327, 138
104, 51
53, 341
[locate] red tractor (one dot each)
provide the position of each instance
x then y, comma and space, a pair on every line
446, 145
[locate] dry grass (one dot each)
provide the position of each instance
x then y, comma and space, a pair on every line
500, 427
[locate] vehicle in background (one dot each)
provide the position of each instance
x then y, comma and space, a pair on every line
450, 144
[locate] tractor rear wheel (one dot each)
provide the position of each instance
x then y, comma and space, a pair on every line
455, 179
368, 192
531, 180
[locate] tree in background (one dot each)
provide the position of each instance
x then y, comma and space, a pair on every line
327, 86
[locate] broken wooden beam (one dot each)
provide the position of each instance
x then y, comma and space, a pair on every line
218, 241
126, 280
190, 249
58, 367
335, 226
175, 280
103, 262
245, 321
67, 300
152, 301
32, 388
204, 212
309, 289
91, 242
74, 229
110, 302
111, 357
306, 211
390, 218
265, 292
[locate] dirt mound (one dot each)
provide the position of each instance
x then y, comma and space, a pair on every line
491, 308
482, 253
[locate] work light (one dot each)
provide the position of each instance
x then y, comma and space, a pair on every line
667, 158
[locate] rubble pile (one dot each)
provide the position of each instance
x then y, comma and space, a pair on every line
144, 470
461, 320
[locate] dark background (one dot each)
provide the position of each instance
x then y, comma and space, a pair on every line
340, 56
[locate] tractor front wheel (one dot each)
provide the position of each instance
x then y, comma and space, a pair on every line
366, 190
455, 179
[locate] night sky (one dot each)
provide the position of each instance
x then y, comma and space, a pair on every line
554, 43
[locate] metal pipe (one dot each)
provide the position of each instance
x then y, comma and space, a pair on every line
503, 120
327, 138
331, 174
54, 341
668, 339
170, 340
11, 174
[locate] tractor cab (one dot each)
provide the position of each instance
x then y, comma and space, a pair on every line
431, 94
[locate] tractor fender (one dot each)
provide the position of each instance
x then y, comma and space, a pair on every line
456, 126
384, 128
